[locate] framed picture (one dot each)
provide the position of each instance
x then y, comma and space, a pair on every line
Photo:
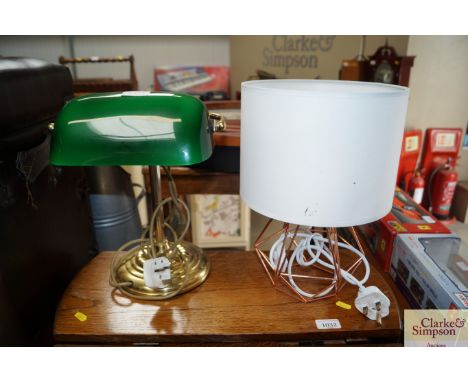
220, 221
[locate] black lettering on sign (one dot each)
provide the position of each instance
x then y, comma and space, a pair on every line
290, 52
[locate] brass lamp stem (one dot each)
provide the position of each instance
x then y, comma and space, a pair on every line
156, 198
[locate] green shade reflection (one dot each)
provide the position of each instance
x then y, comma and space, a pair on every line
132, 128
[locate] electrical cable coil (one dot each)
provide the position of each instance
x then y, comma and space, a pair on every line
316, 246
187, 264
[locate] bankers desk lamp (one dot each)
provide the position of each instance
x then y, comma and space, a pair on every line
143, 128
320, 155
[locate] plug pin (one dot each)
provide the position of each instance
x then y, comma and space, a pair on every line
378, 306
365, 310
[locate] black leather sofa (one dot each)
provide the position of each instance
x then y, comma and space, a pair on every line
46, 233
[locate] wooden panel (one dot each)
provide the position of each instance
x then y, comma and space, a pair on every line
231, 135
236, 304
197, 181
405, 70
217, 105
93, 85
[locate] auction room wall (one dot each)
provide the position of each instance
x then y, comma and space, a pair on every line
439, 86
149, 52
316, 55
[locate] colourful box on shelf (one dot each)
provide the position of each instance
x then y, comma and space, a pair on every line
423, 269
196, 80
406, 217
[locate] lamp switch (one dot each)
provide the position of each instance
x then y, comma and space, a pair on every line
156, 271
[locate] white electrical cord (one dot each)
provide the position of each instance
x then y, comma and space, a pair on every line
314, 249
316, 246
133, 248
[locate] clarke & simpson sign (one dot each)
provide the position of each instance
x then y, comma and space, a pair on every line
289, 52
436, 328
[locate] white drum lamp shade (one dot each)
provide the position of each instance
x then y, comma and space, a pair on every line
321, 153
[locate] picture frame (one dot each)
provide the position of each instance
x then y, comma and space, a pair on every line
219, 221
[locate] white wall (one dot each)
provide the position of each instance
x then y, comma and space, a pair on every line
149, 52
439, 86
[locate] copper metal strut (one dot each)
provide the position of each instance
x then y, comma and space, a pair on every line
318, 278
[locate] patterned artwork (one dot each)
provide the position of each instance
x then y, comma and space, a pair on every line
219, 220
219, 215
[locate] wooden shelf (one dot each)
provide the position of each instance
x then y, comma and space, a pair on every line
236, 305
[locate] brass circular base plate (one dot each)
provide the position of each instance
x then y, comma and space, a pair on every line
189, 268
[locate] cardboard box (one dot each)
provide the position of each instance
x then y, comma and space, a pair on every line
198, 80
460, 202
423, 268
406, 217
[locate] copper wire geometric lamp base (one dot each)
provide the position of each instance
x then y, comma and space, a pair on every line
321, 282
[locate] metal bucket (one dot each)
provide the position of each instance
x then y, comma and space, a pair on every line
114, 207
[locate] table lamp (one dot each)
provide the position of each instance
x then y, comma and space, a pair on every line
142, 128
320, 155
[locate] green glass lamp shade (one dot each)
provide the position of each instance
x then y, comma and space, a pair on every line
132, 128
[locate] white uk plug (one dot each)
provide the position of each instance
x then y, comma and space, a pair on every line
371, 302
156, 271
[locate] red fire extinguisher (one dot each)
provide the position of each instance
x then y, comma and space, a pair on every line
416, 187
442, 186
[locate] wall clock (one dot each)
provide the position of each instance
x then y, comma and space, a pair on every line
387, 67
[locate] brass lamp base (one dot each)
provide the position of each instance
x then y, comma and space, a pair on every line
189, 268
321, 282
170, 267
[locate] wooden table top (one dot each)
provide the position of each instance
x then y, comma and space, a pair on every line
236, 303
